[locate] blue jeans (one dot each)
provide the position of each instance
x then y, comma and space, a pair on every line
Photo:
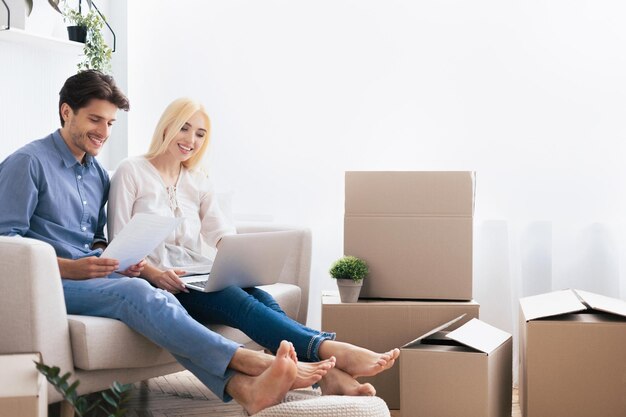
258, 315
157, 315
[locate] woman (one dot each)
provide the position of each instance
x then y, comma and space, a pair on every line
166, 181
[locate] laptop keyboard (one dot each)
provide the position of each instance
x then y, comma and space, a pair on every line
201, 284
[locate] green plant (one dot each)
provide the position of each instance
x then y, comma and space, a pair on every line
53, 3
97, 53
114, 398
349, 267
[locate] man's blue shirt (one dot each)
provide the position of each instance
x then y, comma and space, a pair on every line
46, 194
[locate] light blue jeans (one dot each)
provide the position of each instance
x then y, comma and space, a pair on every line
159, 316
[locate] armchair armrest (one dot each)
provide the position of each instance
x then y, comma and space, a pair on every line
297, 270
32, 305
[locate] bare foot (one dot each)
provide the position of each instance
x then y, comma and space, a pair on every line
358, 361
250, 362
311, 372
268, 389
337, 382
254, 363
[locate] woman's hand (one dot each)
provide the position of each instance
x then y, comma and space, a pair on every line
169, 281
134, 270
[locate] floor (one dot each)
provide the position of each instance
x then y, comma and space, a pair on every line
182, 395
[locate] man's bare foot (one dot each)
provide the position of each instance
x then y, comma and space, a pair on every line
254, 363
337, 382
311, 372
358, 361
250, 362
268, 389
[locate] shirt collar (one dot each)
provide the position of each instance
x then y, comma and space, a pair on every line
64, 151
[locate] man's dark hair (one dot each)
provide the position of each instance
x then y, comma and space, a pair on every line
79, 89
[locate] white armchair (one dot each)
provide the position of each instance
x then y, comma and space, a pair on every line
97, 350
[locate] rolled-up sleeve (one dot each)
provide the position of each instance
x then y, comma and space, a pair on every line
19, 176
99, 235
214, 223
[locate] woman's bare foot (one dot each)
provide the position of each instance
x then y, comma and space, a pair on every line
268, 389
311, 372
358, 361
337, 382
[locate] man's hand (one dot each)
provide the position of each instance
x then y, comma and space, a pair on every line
89, 267
134, 270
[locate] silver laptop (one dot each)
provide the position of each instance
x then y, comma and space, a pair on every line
246, 260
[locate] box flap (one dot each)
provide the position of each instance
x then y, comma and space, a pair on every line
479, 335
603, 303
433, 331
550, 304
409, 193
19, 376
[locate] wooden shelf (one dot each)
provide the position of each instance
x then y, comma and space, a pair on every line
33, 39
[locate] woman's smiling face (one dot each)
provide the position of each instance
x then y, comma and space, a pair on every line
190, 138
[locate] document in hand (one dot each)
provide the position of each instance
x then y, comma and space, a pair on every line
139, 237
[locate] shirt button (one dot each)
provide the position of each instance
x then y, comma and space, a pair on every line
86, 245
83, 228
84, 202
79, 177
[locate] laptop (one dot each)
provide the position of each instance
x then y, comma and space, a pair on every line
246, 260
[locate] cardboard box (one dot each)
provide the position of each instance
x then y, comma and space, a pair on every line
23, 390
384, 325
466, 372
414, 229
572, 355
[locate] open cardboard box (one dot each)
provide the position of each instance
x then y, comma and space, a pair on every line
414, 230
572, 355
384, 325
465, 372
23, 390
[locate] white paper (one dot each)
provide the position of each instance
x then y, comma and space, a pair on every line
139, 237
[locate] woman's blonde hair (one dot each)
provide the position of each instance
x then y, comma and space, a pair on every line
172, 120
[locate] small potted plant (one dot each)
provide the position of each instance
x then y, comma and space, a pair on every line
349, 272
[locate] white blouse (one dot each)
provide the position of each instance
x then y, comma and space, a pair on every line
137, 187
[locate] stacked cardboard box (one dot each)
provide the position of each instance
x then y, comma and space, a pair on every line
415, 231
572, 355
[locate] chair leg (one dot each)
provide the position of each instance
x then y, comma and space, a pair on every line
66, 409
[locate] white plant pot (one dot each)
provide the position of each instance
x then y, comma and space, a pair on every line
349, 290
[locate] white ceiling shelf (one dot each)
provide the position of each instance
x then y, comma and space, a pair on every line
33, 39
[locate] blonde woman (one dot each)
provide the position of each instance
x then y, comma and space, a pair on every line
167, 181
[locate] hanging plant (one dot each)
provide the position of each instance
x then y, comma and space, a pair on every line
97, 54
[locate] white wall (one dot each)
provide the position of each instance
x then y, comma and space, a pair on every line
34, 64
529, 94
31, 75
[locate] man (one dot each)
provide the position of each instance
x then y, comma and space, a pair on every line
58, 191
